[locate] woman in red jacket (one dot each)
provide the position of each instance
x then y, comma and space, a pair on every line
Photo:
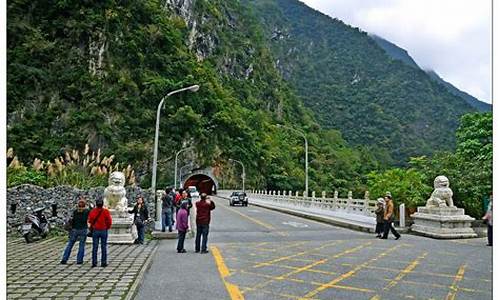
100, 221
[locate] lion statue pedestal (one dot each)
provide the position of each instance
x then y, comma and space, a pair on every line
123, 230
439, 218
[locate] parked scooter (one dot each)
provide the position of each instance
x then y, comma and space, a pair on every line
35, 226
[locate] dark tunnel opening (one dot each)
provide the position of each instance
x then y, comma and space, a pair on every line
203, 183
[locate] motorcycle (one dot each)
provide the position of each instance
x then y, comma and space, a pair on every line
36, 226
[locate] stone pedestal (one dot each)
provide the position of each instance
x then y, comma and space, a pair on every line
123, 230
443, 223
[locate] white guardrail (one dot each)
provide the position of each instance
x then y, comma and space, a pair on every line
364, 207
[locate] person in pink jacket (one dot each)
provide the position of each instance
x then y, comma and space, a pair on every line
182, 226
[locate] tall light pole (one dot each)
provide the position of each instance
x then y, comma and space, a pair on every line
192, 88
175, 169
306, 150
243, 174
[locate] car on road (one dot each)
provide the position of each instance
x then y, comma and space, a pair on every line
238, 198
193, 192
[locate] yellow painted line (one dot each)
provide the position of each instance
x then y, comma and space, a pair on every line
279, 259
376, 297
436, 285
258, 222
350, 273
406, 271
454, 286
305, 268
232, 289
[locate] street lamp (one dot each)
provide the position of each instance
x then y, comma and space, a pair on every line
306, 150
192, 88
243, 174
175, 169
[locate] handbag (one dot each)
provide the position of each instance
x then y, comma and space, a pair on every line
91, 229
68, 225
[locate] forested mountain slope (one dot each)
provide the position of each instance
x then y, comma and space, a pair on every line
352, 85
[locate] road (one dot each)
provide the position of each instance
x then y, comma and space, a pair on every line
262, 254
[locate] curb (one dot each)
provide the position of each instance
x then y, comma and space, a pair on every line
138, 280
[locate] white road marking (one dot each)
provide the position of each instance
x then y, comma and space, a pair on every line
296, 224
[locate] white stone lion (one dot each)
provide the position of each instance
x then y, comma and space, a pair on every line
114, 194
442, 194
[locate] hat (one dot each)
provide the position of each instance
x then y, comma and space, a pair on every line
381, 200
388, 194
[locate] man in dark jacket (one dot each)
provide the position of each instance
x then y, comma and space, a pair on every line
203, 208
389, 217
167, 204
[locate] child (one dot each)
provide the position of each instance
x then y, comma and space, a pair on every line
379, 229
182, 226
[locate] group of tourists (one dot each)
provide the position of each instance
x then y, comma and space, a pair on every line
385, 217
181, 202
95, 223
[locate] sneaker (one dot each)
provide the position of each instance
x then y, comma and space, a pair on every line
79, 262
63, 262
163, 230
183, 251
378, 236
104, 265
398, 237
93, 266
383, 238
204, 251
197, 251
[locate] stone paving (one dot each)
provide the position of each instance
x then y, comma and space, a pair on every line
34, 271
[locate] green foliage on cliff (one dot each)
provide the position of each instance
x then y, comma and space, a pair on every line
352, 85
83, 72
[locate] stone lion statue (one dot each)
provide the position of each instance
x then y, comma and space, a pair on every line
114, 194
442, 194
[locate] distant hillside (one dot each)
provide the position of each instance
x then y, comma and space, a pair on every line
479, 105
394, 51
352, 85
401, 54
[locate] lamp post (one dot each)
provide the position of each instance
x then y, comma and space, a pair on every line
175, 168
192, 88
243, 174
306, 150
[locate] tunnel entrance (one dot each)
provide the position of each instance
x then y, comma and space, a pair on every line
202, 182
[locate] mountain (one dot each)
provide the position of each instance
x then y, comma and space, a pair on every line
94, 72
352, 85
401, 54
394, 51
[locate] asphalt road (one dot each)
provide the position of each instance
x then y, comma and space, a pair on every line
261, 254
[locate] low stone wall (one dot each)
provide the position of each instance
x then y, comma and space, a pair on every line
27, 196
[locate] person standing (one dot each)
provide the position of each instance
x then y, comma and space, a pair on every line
203, 208
167, 203
389, 217
488, 217
78, 232
100, 222
182, 226
141, 215
185, 197
379, 212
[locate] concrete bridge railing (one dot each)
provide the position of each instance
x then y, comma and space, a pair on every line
349, 205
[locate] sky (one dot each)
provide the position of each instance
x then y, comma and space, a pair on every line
451, 37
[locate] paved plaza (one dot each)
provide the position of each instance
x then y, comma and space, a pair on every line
34, 271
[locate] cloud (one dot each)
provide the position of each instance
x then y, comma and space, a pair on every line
451, 37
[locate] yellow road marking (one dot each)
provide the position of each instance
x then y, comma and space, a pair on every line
406, 271
454, 286
232, 289
350, 273
267, 263
307, 267
258, 222
376, 297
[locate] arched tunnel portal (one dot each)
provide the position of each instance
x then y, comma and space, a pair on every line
204, 183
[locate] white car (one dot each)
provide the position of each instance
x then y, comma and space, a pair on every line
193, 192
